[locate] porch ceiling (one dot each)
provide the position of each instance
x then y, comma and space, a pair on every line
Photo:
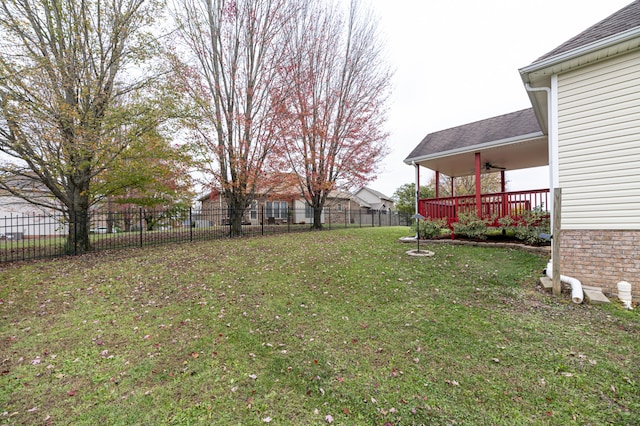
523, 154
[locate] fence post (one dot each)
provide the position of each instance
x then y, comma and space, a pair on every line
262, 219
140, 223
345, 218
191, 224
329, 217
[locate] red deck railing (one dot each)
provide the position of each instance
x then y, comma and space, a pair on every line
493, 206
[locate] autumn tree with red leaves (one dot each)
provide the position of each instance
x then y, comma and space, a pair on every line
334, 86
228, 54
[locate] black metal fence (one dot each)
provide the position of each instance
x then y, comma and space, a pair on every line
34, 236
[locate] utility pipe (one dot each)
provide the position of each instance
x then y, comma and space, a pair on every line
577, 295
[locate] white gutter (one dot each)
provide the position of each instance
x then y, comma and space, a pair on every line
584, 50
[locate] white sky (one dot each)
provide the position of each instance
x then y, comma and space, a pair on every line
457, 61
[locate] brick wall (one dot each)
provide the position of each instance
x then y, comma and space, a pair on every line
602, 258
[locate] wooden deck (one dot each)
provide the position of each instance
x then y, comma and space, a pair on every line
492, 206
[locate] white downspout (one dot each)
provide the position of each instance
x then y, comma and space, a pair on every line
577, 295
551, 135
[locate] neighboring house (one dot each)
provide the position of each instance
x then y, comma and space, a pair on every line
21, 219
585, 96
375, 200
284, 206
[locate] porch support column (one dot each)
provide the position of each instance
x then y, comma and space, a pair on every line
453, 184
478, 186
417, 187
502, 182
437, 184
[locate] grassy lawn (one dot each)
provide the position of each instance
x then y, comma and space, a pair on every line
324, 327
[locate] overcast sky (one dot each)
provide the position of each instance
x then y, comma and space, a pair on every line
457, 61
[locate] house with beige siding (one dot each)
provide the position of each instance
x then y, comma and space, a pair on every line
585, 97
282, 207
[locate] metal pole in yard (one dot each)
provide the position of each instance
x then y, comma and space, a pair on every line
140, 223
191, 225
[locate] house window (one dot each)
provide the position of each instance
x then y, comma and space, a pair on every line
253, 212
277, 209
308, 211
339, 207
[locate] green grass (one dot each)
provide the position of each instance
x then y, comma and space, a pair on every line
291, 329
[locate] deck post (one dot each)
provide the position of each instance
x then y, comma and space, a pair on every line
478, 186
555, 249
437, 184
417, 166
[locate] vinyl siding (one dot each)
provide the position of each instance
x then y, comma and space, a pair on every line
599, 145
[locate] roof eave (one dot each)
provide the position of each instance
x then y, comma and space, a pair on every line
539, 73
626, 36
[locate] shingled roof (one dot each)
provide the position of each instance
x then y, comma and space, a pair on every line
617, 23
500, 128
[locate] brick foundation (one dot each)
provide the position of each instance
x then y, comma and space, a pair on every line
602, 258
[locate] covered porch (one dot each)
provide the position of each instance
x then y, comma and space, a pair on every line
496, 145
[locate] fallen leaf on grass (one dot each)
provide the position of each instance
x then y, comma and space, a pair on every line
328, 418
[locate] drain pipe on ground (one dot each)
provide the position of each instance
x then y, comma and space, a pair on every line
577, 295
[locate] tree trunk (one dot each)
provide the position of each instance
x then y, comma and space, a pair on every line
237, 205
317, 217
78, 237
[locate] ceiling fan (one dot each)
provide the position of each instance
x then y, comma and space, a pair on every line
488, 167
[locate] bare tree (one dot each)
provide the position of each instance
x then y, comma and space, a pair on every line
336, 84
69, 101
229, 54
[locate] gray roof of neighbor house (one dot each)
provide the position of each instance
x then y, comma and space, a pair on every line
376, 193
625, 19
500, 128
